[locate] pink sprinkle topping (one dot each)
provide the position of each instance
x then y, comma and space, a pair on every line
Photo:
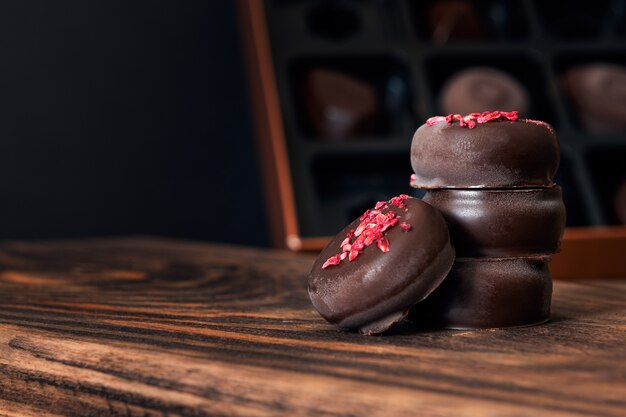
473, 118
333, 260
399, 200
383, 244
371, 230
412, 179
542, 123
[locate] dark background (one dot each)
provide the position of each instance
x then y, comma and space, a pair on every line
126, 117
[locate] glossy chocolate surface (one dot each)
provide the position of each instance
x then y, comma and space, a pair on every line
483, 89
598, 91
498, 154
339, 106
502, 223
375, 290
489, 293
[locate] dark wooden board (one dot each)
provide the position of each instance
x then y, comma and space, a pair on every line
150, 327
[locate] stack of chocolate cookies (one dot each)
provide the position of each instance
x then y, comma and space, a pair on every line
491, 176
473, 253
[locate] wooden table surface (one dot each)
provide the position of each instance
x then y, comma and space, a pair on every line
153, 327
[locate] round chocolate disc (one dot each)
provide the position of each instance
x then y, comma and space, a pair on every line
338, 105
375, 269
492, 154
502, 223
482, 89
489, 293
598, 91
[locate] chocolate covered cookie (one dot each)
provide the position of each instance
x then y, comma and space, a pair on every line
488, 293
481, 89
339, 106
484, 150
502, 223
598, 92
381, 264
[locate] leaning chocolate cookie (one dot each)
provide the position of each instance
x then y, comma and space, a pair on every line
489, 293
381, 264
484, 150
502, 223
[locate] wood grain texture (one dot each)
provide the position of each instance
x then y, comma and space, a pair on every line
147, 327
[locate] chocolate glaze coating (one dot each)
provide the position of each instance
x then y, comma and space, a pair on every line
502, 223
483, 89
498, 154
375, 290
598, 92
339, 106
488, 293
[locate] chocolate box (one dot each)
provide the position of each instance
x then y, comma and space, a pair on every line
315, 185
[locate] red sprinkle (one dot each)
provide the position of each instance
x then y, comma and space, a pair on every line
542, 123
373, 224
399, 200
472, 119
333, 260
383, 244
